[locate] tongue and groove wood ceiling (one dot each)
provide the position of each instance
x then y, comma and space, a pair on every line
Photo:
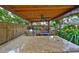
34, 12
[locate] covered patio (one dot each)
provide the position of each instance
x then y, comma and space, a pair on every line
39, 28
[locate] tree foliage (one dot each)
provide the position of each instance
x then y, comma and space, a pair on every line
7, 16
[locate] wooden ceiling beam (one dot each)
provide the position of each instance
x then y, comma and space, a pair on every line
58, 16
33, 12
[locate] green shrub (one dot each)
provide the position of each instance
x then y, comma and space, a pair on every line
70, 33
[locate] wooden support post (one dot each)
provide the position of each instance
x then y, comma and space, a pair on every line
31, 25
48, 26
32, 28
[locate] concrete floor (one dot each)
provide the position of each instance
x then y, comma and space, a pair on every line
38, 44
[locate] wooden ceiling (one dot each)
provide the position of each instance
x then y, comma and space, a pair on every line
34, 12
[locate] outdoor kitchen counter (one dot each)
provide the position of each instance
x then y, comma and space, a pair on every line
38, 44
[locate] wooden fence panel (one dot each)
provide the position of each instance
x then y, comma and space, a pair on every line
3, 32
10, 31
